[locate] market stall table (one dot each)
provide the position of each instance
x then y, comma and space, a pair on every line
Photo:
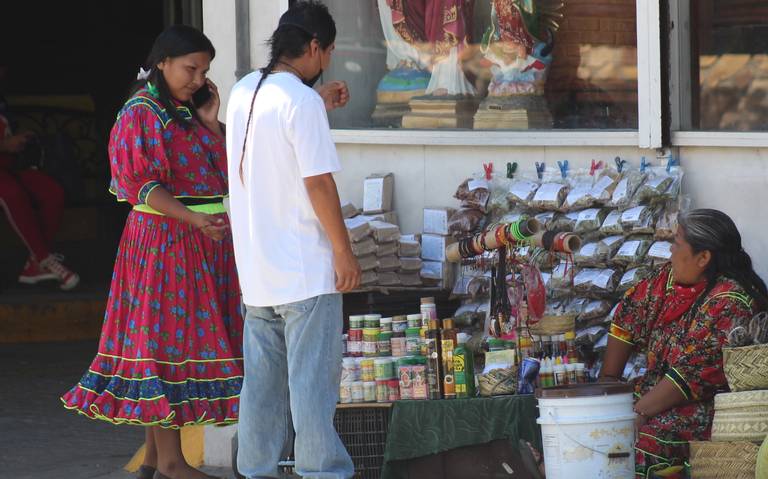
423, 428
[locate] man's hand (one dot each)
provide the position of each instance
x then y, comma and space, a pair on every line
347, 271
335, 94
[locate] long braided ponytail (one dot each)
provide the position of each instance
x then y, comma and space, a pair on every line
305, 21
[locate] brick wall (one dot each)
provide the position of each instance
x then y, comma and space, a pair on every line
593, 80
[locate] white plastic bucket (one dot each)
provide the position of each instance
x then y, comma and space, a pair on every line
588, 431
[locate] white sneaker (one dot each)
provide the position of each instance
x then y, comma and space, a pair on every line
66, 277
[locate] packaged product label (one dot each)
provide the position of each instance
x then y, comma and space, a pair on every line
629, 249
523, 190
661, 250
472, 185
548, 192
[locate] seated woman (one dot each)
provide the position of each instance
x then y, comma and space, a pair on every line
680, 318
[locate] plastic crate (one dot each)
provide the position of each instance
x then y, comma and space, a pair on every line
363, 430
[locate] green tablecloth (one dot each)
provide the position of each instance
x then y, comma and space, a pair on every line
422, 428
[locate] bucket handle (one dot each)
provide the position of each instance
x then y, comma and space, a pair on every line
609, 455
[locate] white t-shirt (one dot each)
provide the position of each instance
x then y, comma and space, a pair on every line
282, 252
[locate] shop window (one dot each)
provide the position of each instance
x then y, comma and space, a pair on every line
729, 56
486, 64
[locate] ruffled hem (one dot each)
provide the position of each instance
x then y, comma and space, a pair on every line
157, 411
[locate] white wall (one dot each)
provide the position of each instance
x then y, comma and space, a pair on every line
734, 180
219, 26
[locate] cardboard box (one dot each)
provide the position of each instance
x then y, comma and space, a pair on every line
388, 279
410, 265
436, 220
436, 273
384, 232
408, 248
433, 246
364, 247
388, 264
386, 249
377, 193
388, 217
357, 228
348, 210
368, 263
369, 278
410, 279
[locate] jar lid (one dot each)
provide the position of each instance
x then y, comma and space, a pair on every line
385, 320
372, 317
583, 390
357, 317
434, 324
399, 318
413, 317
428, 300
448, 323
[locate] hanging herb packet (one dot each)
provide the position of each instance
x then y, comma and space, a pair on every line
612, 224
632, 252
626, 188
634, 217
465, 221
657, 184
474, 193
579, 196
521, 191
605, 282
550, 196
632, 277
603, 189
564, 222
592, 254
590, 220
582, 282
660, 252
595, 309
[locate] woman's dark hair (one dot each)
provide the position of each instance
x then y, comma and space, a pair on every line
175, 41
305, 20
714, 231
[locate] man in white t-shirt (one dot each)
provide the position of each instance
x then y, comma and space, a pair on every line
292, 251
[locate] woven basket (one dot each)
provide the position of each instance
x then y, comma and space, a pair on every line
723, 460
746, 368
549, 325
741, 416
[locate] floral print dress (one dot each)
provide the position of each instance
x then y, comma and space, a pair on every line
170, 352
682, 335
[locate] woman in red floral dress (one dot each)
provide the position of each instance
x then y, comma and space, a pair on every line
170, 352
680, 318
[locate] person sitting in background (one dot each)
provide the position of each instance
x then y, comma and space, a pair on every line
33, 203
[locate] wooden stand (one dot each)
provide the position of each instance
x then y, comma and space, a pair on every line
523, 112
434, 112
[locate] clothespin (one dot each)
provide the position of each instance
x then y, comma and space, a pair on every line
540, 167
488, 167
620, 163
596, 165
511, 170
644, 164
672, 162
563, 165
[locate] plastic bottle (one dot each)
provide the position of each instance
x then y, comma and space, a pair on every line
545, 374
570, 341
434, 361
570, 372
559, 373
428, 310
463, 370
448, 343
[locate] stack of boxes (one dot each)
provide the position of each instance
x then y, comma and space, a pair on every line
386, 257
435, 270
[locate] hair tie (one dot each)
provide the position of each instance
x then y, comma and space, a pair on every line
143, 74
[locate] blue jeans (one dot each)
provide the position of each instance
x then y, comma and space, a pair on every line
292, 372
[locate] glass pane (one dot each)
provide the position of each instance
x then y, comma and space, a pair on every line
486, 64
730, 65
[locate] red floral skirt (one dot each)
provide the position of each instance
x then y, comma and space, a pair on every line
170, 352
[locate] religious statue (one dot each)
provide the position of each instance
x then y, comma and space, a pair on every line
518, 47
424, 41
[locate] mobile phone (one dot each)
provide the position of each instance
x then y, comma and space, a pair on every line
202, 95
